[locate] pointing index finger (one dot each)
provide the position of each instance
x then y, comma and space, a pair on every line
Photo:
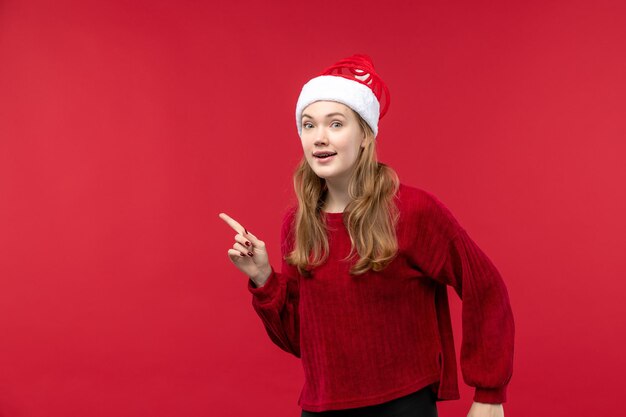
232, 223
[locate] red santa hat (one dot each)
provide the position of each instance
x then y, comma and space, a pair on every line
351, 81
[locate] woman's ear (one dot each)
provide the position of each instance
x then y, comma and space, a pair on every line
365, 140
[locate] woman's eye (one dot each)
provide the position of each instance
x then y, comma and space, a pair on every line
336, 123
306, 125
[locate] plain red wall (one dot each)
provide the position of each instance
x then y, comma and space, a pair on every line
127, 126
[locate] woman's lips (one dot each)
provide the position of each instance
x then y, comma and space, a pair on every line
325, 160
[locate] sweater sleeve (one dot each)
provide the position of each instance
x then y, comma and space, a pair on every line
276, 302
487, 318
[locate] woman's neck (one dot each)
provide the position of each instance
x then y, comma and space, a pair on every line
337, 198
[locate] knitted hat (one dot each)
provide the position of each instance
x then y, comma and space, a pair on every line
351, 81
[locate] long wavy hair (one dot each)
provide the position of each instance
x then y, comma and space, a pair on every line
370, 217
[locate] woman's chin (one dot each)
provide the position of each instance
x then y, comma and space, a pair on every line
324, 175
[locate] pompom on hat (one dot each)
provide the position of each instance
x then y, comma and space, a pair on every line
352, 81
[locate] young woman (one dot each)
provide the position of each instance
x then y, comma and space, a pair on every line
361, 297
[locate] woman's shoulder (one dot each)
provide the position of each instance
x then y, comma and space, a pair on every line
423, 205
417, 198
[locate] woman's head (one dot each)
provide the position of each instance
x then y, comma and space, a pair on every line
338, 112
330, 127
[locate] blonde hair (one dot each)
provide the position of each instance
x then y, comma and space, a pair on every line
372, 214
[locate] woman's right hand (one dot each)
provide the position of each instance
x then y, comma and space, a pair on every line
250, 258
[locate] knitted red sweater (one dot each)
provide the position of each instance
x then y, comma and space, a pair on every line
368, 339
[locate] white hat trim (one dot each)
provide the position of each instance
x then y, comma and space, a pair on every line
353, 94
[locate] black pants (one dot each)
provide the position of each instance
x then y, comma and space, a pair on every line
418, 404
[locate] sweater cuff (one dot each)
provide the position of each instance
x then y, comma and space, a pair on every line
490, 395
267, 292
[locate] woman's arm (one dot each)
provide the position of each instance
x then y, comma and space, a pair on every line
445, 252
276, 302
487, 318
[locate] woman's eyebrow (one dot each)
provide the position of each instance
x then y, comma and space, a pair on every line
327, 116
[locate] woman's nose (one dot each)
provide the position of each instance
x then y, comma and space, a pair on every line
321, 138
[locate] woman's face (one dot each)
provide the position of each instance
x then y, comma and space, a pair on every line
331, 127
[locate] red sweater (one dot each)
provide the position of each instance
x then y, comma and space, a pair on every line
368, 339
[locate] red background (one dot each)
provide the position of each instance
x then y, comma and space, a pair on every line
127, 126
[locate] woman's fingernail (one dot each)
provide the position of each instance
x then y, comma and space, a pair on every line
241, 254
249, 253
247, 243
